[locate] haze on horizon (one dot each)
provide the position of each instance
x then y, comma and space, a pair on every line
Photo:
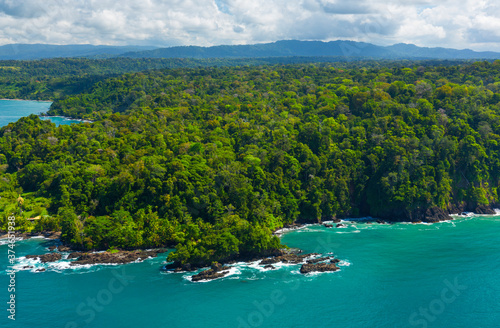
470, 24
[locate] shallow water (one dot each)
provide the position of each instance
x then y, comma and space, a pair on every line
12, 110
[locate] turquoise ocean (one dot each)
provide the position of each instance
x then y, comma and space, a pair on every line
402, 275
12, 110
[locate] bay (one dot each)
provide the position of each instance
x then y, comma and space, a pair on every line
402, 275
12, 110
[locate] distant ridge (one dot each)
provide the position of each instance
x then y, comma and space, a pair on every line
40, 51
314, 48
285, 48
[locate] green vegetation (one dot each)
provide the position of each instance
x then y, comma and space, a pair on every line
213, 159
52, 79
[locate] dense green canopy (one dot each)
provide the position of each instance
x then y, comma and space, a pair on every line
213, 159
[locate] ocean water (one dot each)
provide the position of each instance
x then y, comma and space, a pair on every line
402, 275
12, 110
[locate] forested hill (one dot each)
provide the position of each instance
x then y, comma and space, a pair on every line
50, 79
213, 159
340, 48
285, 48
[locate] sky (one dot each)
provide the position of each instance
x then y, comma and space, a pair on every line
473, 24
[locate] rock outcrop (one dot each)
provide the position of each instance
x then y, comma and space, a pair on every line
318, 267
49, 257
287, 258
74, 255
62, 248
215, 271
120, 257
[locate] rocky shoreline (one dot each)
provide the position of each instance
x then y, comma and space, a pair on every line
217, 270
310, 262
118, 257
26, 235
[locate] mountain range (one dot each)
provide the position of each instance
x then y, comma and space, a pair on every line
286, 48
41, 51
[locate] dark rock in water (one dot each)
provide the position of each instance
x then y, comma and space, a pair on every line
340, 225
49, 257
381, 222
466, 208
287, 258
423, 214
336, 220
177, 267
74, 255
120, 257
292, 226
319, 259
289, 251
216, 266
334, 261
216, 271
27, 267
318, 267
269, 266
326, 225
270, 260
40, 270
62, 248
482, 209
51, 248
435, 214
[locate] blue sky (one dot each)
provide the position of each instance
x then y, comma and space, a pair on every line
464, 24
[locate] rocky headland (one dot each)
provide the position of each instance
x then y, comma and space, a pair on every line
115, 257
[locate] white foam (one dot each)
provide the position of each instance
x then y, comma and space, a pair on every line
233, 271
4, 242
25, 264
285, 230
255, 265
344, 263
366, 218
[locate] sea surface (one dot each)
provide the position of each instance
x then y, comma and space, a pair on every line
402, 275
12, 110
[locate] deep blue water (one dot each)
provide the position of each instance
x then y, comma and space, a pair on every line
12, 110
403, 275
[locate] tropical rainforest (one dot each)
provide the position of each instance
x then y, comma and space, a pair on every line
211, 160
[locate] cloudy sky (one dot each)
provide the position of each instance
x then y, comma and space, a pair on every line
473, 24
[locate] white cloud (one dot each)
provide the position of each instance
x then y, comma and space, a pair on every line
466, 24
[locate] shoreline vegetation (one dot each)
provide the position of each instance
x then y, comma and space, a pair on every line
310, 262
214, 160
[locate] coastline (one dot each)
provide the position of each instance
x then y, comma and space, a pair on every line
287, 228
66, 118
286, 255
50, 101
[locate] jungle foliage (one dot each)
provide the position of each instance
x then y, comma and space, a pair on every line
213, 159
